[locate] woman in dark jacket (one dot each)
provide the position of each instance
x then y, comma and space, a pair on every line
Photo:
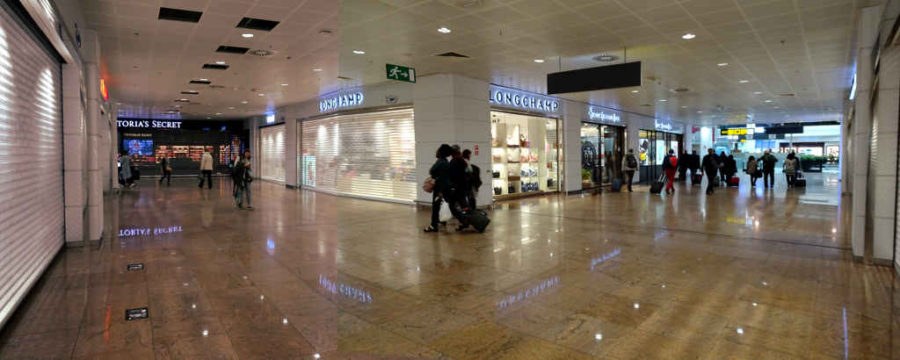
440, 172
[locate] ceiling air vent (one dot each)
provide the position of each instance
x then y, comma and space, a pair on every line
681, 90
200, 81
232, 49
257, 24
453, 54
344, 78
190, 92
787, 95
216, 87
179, 15
215, 67
261, 52
606, 58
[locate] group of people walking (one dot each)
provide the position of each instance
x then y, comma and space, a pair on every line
454, 180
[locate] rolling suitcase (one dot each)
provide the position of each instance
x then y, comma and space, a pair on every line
696, 179
616, 185
800, 181
734, 181
657, 185
478, 219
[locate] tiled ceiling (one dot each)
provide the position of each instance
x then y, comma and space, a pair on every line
148, 62
793, 56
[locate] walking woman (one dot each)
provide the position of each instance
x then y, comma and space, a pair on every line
166, 170
790, 167
752, 170
442, 190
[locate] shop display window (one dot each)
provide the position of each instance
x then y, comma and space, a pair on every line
272, 153
369, 155
524, 154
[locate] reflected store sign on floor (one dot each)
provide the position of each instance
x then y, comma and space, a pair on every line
603, 258
149, 231
531, 292
345, 290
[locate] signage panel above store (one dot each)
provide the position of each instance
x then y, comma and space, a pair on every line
149, 124
501, 96
341, 101
665, 125
602, 115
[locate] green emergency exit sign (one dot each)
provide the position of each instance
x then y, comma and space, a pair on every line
400, 73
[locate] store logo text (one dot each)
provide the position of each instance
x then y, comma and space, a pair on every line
341, 101
525, 101
599, 115
152, 124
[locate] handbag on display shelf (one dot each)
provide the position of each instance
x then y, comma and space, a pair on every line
498, 190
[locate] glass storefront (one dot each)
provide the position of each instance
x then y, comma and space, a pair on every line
272, 153
524, 154
652, 149
183, 146
370, 155
602, 149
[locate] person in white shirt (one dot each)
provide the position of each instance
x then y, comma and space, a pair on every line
206, 169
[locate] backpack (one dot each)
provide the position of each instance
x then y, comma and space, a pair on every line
632, 162
237, 174
476, 177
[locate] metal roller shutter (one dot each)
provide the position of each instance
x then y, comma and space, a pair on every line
31, 177
369, 155
272, 153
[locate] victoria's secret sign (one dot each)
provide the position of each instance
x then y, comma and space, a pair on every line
149, 124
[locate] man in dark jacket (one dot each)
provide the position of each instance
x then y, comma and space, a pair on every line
710, 166
459, 180
694, 163
768, 160
683, 165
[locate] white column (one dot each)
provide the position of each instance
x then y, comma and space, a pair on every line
91, 56
867, 31
74, 138
452, 109
290, 151
571, 131
885, 166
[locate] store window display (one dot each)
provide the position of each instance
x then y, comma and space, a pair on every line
524, 154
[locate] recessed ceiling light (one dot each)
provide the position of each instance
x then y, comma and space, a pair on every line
359, 52
261, 94
699, 111
217, 114
757, 93
220, 62
744, 81
204, 79
684, 106
444, 30
688, 36
663, 100
722, 64
247, 35
635, 91
284, 84
539, 61
317, 69
768, 101
244, 102
231, 108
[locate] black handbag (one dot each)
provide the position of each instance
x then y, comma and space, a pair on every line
498, 190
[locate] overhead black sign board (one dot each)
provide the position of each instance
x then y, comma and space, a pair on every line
596, 78
784, 129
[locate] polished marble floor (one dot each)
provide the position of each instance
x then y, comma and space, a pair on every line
742, 274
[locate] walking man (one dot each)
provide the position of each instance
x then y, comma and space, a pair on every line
710, 167
629, 166
768, 161
206, 168
242, 178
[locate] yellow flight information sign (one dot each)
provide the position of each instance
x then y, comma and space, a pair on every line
737, 131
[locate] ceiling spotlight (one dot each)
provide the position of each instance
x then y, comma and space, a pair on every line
699, 111
768, 101
539, 61
359, 52
317, 69
444, 30
722, 64
217, 114
757, 93
688, 36
284, 84
744, 81
244, 102
635, 91
663, 100
231, 108
220, 62
261, 94
247, 35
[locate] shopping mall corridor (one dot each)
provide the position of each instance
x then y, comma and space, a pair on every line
741, 274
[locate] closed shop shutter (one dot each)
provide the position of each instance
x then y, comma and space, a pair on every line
31, 177
369, 155
272, 159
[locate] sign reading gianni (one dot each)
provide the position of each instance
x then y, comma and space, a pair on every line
149, 124
341, 101
523, 100
599, 114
